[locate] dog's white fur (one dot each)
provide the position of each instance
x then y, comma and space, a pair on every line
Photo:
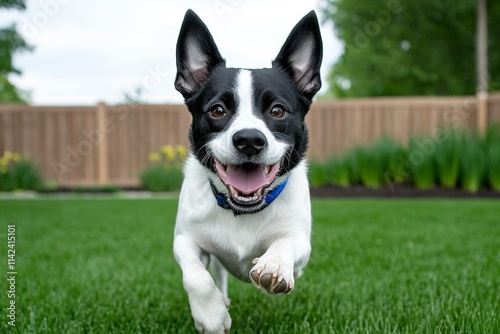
278, 236
273, 241
222, 146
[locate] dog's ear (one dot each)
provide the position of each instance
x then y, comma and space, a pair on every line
301, 55
197, 55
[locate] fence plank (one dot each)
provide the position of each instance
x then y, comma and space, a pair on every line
52, 136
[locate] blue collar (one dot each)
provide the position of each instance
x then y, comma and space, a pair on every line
222, 200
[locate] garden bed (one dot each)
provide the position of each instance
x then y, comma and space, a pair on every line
398, 191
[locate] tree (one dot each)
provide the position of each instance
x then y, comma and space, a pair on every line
409, 47
10, 43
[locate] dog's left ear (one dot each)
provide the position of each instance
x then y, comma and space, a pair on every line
301, 55
197, 55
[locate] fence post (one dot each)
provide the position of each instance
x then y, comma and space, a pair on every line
102, 148
482, 112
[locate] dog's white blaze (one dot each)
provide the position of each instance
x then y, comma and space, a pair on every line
244, 92
246, 118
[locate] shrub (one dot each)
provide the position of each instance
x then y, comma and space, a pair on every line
423, 169
493, 165
369, 167
352, 164
338, 172
492, 140
18, 173
473, 163
317, 173
395, 155
377, 161
448, 158
165, 172
455, 159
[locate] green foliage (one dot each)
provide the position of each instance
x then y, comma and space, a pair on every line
447, 157
423, 165
11, 42
339, 171
371, 166
318, 175
473, 163
9, 93
450, 159
161, 178
378, 162
493, 157
407, 47
493, 165
165, 174
15, 4
18, 173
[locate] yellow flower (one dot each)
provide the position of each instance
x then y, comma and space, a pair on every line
169, 152
7, 155
181, 152
16, 157
154, 157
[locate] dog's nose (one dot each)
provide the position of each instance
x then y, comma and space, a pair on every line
249, 141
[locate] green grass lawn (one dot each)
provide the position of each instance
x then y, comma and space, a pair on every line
378, 266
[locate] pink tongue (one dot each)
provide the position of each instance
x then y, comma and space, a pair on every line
246, 181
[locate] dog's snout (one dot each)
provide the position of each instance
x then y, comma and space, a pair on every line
249, 141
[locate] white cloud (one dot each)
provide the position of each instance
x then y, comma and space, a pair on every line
89, 51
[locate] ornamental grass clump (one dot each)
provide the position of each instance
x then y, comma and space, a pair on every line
472, 163
376, 161
317, 174
339, 172
447, 154
493, 157
493, 165
423, 157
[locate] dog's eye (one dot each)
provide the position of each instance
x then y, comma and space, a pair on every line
278, 111
217, 111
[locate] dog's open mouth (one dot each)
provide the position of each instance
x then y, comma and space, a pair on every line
247, 183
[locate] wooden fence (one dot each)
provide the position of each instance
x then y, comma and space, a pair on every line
109, 145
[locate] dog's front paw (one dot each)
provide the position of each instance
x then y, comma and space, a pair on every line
210, 313
272, 277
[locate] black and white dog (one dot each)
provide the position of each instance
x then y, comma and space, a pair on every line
244, 206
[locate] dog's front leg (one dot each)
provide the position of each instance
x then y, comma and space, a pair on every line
285, 258
208, 304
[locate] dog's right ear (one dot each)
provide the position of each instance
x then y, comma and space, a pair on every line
197, 55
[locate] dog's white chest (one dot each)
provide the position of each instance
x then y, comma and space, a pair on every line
235, 243
237, 240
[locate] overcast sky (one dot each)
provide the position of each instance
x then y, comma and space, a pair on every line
88, 51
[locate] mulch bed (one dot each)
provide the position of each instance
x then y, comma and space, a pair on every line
399, 191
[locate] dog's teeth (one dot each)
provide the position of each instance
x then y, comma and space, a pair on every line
233, 191
266, 170
259, 192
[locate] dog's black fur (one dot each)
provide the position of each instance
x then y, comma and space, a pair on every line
213, 85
